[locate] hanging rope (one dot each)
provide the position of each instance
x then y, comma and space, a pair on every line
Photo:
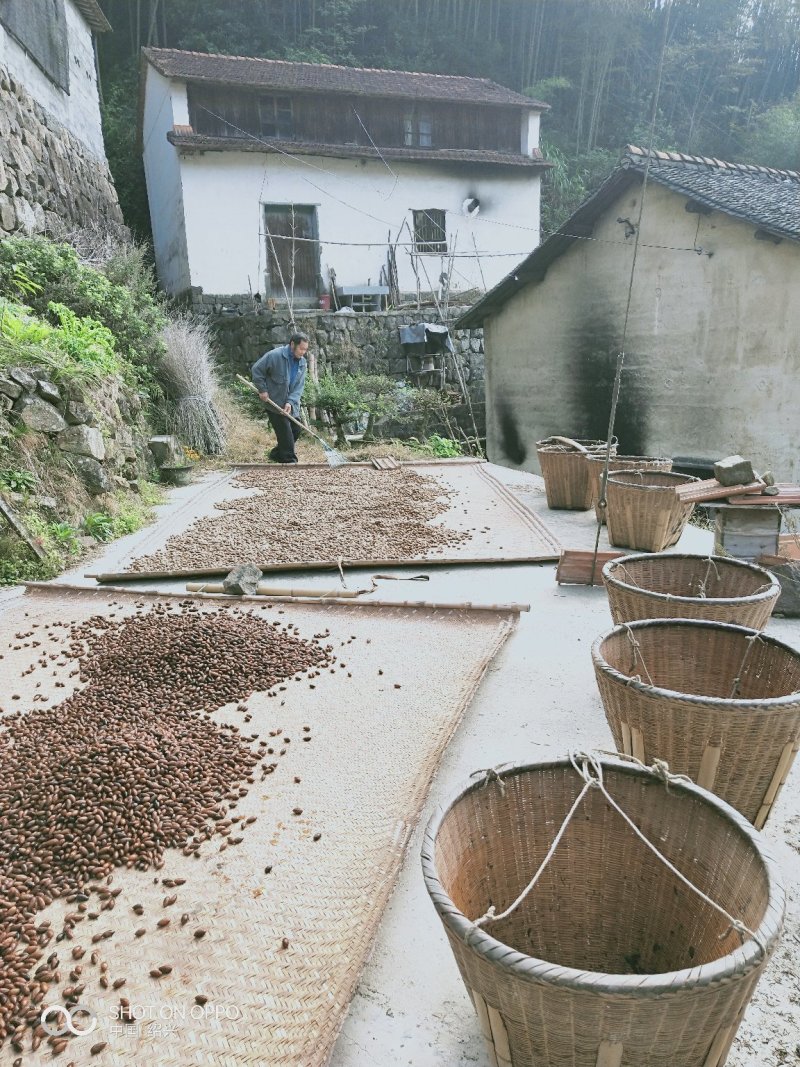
589, 767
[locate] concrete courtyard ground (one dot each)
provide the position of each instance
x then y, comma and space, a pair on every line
538, 700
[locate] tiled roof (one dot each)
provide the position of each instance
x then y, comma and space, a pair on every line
765, 198
93, 13
768, 198
323, 77
182, 138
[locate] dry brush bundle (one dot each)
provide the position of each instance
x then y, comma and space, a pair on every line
187, 371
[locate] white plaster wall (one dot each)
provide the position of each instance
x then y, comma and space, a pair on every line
79, 109
163, 176
712, 353
357, 202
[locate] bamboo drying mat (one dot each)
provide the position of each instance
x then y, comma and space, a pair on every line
501, 528
364, 780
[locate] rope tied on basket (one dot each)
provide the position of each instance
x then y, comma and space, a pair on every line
659, 767
637, 651
492, 774
751, 640
590, 769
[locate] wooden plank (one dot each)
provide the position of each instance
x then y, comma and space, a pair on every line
486, 1027
788, 496
708, 766
500, 1037
637, 744
626, 739
711, 489
609, 1054
21, 530
785, 762
575, 566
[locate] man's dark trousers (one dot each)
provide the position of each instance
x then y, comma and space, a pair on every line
287, 433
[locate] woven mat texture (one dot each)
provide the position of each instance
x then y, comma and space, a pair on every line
364, 779
498, 525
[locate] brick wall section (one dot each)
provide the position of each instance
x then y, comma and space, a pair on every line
361, 342
48, 179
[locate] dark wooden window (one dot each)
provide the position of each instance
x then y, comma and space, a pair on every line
275, 116
417, 131
292, 250
40, 26
430, 233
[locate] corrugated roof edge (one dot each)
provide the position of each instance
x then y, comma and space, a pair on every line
93, 13
631, 168
153, 55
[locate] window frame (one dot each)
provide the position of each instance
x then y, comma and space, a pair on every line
417, 130
273, 109
430, 231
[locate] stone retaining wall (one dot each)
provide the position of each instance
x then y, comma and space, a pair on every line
48, 178
367, 342
105, 444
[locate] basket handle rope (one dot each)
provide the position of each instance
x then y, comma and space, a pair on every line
590, 769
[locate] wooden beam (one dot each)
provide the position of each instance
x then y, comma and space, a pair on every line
21, 530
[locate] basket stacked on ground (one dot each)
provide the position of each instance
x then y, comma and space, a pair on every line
644, 511
718, 702
566, 472
619, 463
678, 586
610, 961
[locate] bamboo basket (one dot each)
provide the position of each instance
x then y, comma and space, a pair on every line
566, 473
618, 463
644, 511
610, 961
676, 586
718, 702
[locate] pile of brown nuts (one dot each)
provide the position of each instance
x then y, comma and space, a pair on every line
315, 514
123, 769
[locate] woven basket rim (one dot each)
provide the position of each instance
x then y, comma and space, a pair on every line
679, 479
647, 459
773, 585
762, 704
743, 959
545, 446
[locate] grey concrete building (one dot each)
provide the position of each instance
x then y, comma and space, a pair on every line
711, 291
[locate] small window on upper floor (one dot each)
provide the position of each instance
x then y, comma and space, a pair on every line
275, 116
430, 234
418, 131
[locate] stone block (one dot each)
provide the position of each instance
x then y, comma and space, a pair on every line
5, 404
93, 475
83, 441
167, 450
242, 580
9, 388
78, 414
8, 216
21, 377
734, 470
37, 414
47, 391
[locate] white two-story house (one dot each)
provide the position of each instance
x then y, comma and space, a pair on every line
274, 177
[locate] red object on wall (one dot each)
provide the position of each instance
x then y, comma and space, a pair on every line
324, 301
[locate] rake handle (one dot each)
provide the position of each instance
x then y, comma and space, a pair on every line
291, 418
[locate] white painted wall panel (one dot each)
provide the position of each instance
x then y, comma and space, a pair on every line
79, 109
358, 202
163, 176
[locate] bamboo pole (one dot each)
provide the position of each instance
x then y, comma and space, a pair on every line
311, 565
263, 589
64, 589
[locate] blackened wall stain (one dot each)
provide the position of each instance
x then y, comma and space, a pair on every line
592, 365
513, 445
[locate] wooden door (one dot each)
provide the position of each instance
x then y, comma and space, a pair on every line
292, 250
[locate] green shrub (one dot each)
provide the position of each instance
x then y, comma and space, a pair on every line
15, 481
442, 447
99, 526
134, 316
64, 536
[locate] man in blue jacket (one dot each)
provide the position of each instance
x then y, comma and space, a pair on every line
279, 376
